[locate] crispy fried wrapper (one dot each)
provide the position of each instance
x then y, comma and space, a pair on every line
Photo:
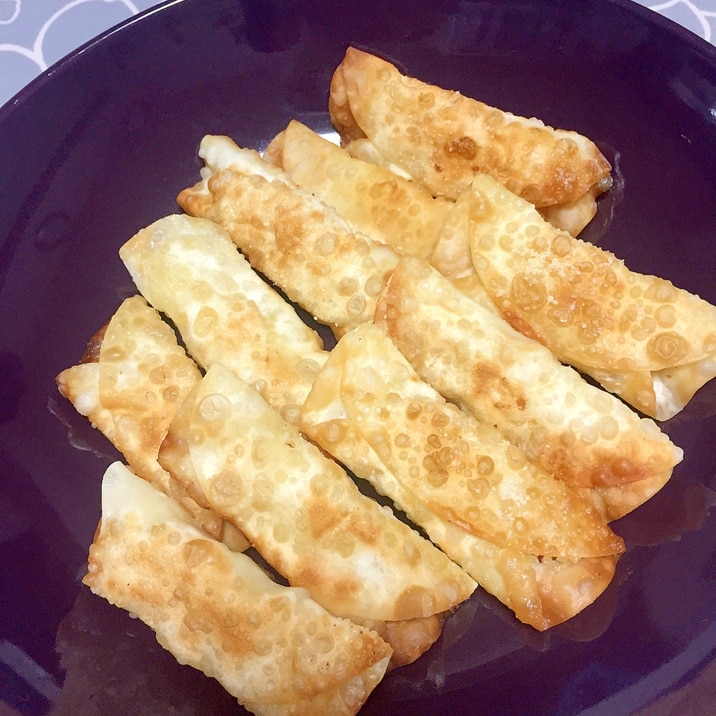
474, 493
301, 510
573, 216
270, 646
371, 198
451, 254
189, 269
639, 336
299, 243
441, 138
581, 434
133, 379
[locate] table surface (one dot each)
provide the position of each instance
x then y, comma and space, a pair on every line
34, 34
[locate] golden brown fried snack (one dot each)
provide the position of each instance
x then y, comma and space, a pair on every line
574, 430
133, 381
372, 199
301, 511
272, 647
189, 269
639, 336
441, 138
573, 216
408, 638
451, 254
299, 243
505, 520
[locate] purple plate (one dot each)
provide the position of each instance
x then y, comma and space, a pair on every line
99, 146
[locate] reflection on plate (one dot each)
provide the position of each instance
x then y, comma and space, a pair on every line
122, 142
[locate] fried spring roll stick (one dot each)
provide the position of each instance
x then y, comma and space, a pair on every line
583, 435
371, 198
441, 138
532, 541
299, 243
301, 510
189, 269
272, 647
130, 383
641, 337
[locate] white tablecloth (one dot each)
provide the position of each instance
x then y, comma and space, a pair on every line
36, 33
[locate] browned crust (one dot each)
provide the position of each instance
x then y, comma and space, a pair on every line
94, 344
443, 138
